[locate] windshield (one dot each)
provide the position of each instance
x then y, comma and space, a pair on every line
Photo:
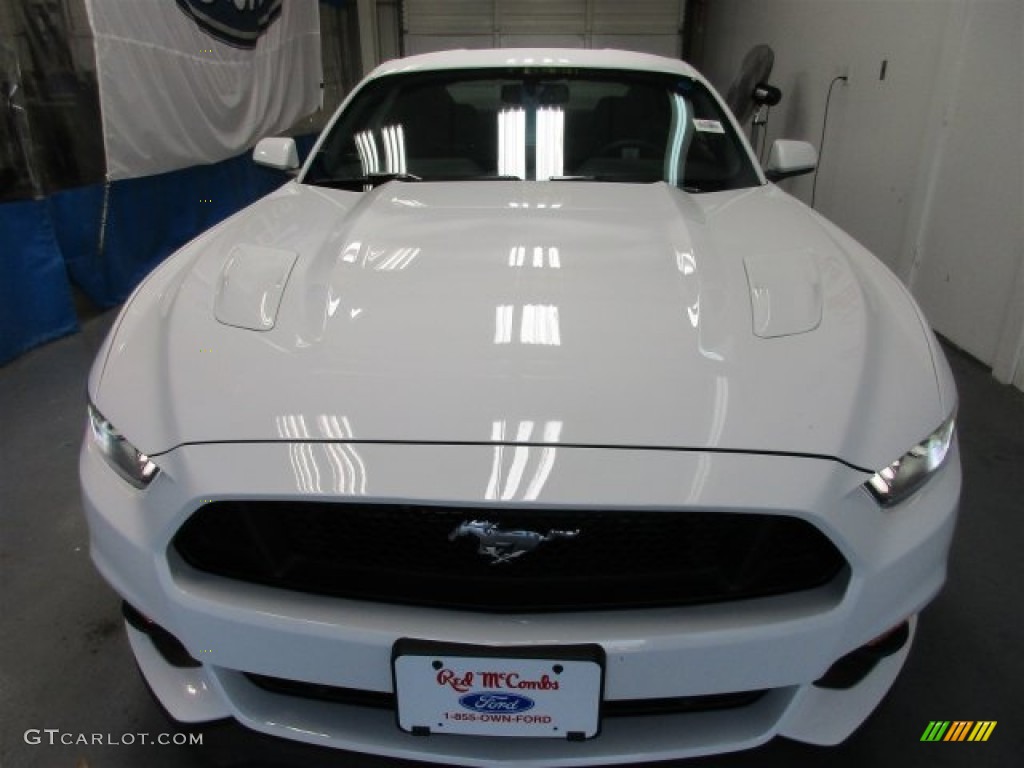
533, 125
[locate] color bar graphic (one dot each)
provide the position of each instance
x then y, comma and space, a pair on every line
982, 730
935, 730
958, 730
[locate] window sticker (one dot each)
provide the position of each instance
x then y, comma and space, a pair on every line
708, 126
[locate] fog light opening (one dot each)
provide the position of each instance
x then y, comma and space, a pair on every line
892, 638
856, 665
169, 647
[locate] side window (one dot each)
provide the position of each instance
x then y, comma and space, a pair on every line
714, 159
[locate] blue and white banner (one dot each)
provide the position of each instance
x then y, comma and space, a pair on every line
198, 81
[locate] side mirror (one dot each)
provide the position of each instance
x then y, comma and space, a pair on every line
280, 153
790, 158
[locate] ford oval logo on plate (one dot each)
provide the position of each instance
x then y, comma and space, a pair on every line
495, 702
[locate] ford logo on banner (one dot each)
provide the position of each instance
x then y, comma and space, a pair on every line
235, 22
495, 702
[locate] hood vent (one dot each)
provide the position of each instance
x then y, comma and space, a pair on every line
785, 293
251, 285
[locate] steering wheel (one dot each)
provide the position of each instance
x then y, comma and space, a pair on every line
614, 146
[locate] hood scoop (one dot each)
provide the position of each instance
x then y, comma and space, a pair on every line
785, 293
251, 285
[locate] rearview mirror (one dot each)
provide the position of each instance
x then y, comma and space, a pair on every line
790, 158
280, 153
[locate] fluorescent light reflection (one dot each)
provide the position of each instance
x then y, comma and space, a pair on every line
552, 433
394, 148
517, 257
408, 203
393, 140
503, 315
350, 252
497, 436
538, 324
550, 142
369, 157
679, 129
266, 316
693, 312
505, 485
512, 142
538, 206
686, 262
304, 466
348, 470
398, 259
519, 457
721, 409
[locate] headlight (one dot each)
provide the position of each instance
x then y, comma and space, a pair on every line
909, 472
123, 457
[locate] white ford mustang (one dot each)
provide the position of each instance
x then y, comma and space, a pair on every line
529, 424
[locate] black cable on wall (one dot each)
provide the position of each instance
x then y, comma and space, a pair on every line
821, 142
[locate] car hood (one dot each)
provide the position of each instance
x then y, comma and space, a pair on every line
587, 314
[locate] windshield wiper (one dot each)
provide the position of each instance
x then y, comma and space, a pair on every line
370, 179
619, 178
471, 177
375, 179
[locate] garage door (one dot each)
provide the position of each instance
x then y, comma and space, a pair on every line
652, 26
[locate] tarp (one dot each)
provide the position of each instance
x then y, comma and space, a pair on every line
186, 88
35, 297
50, 135
150, 217
198, 81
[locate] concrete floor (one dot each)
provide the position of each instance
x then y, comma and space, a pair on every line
65, 662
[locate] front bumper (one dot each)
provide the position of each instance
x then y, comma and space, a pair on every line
897, 561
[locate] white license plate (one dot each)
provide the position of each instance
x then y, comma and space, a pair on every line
549, 692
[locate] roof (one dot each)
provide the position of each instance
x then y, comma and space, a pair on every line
566, 57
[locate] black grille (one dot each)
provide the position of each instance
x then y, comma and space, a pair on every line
623, 708
402, 553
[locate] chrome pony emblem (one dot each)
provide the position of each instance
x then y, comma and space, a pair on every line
502, 546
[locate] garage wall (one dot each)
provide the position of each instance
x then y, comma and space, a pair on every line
965, 250
652, 26
922, 164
